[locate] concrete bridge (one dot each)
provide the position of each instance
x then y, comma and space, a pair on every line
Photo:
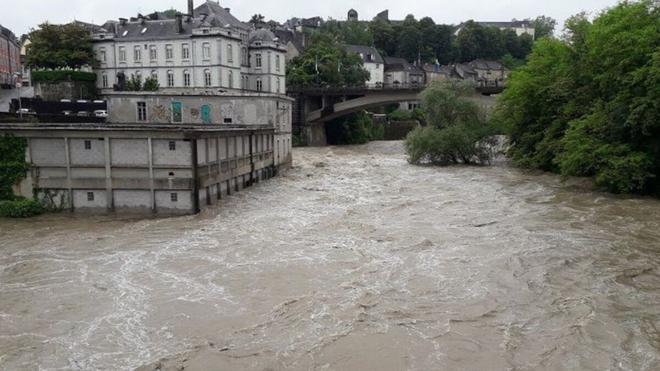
315, 107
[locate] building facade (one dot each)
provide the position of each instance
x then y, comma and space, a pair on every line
207, 50
10, 58
400, 73
159, 153
372, 62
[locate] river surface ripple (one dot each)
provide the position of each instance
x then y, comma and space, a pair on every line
353, 260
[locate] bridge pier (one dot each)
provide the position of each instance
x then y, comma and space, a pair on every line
315, 134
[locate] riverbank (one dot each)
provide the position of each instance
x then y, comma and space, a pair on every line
353, 259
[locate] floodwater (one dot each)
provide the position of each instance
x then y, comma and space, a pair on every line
353, 260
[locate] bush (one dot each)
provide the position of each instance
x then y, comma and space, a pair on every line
20, 208
457, 131
354, 129
63, 75
467, 144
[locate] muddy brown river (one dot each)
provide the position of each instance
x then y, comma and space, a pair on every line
353, 260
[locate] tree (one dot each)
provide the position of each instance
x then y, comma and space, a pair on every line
589, 104
151, 84
325, 63
384, 36
257, 20
544, 26
60, 46
470, 41
457, 131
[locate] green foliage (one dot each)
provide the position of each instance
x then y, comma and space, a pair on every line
12, 164
358, 128
325, 63
475, 41
407, 115
134, 83
457, 131
544, 26
63, 75
464, 143
353, 33
510, 62
20, 208
60, 46
589, 105
151, 84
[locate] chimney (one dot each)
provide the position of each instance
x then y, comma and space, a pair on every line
191, 8
179, 23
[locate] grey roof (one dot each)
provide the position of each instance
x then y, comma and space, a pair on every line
482, 64
5, 33
400, 64
223, 15
261, 34
153, 30
210, 14
365, 52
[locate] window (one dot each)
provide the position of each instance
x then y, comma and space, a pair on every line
102, 55
279, 85
244, 56
258, 61
154, 75
88, 144
172, 146
260, 85
153, 53
230, 53
137, 54
186, 78
174, 197
277, 63
228, 120
206, 51
170, 78
90, 196
142, 111
185, 51
207, 78
244, 82
122, 54
176, 112
231, 79
169, 52
104, 80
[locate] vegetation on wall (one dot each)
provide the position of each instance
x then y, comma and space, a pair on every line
589, 104
60, 47
12, 170
456, 131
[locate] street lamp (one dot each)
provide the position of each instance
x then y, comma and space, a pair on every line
19, 85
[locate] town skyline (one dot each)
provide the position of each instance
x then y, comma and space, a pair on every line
22, 20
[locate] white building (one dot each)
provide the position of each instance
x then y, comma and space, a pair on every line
207, 49
372, 61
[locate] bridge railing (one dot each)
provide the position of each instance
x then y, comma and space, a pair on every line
322, 88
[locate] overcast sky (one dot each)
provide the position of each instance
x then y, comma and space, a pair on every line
26, 14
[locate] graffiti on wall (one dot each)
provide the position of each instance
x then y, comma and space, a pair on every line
160, 113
